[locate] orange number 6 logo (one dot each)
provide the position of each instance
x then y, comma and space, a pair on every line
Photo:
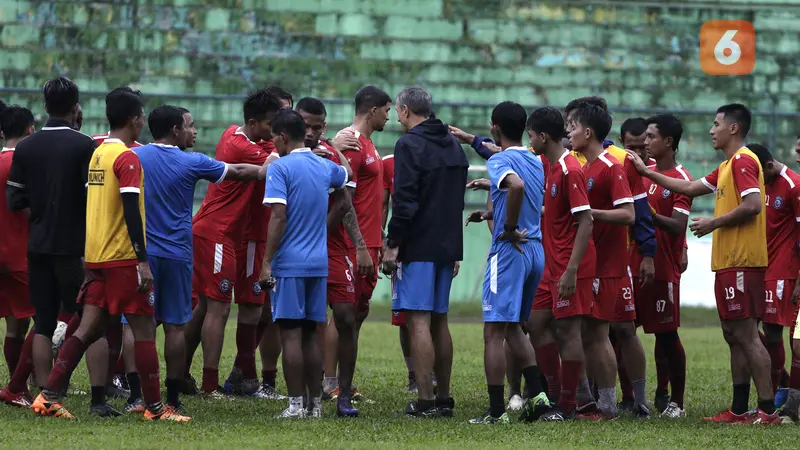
727, 47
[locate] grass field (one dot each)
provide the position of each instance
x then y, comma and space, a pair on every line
381, 376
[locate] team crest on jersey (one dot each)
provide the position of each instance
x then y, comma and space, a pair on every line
256, 288
370, 159
590, 184
553, 190
666, 193
151, 299
778, 203
225, 286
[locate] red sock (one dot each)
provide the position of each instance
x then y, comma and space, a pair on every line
24, 367
571, 373
268, 377
260, 329
794, 375
114, 337
662, 366
147, 365
12, 348
624, 381
65, 317
550, 365
66, 361
677, 370
777, 358
72, 326
210, 379
246, 350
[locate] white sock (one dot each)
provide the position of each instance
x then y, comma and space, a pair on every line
295, 403
316, 402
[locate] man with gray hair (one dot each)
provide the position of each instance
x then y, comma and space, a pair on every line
425, 241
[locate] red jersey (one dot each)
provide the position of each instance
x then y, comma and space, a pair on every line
220, 217
608, 188
368, 183
783, 215
99, 138
565, 194
670, 246
338, 240
13, 226
255, 229
388, 173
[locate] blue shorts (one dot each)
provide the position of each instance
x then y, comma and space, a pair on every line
422, 286
511, 280
300, 298
172, 286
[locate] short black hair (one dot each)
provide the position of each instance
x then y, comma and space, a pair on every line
547, 120
668, 125
60, 96
737, 113
15, 120
510, 117
291, 122
592, 100
162, 119
279, 92
121, 104
259, 104
764, 155
311, 105
370, 97
594, 117
636, 126
183, 110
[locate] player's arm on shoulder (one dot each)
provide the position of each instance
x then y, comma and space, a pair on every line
406, 193
245, 172
16, 194
690, 188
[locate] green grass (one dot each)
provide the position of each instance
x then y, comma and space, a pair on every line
381, 376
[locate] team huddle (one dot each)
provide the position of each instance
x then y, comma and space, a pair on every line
588, 244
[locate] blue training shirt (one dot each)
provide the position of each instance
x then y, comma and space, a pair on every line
170, 175
527, 166
302, 180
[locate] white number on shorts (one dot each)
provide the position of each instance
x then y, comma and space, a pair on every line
768, 296
730, 294
626, 293
660, 305
347, 273
653, 188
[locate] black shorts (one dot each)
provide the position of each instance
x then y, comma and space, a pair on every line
54, 282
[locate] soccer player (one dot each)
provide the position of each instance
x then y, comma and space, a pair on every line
783, 214
169, 191
372, 107
632, 134
424, 242
218, 232
15, 306
515, 263
48, 176
119, 278
254, 321
658, 303
738, 256
296, 255
569, 246
612, 211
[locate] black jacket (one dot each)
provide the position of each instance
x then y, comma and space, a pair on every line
430, 177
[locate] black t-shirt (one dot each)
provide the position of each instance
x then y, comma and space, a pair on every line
50, 168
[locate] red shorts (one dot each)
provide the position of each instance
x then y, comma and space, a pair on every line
740, 294
116, 289
658, 306
14, 296
214, 269
399, 318
340, 280
606, 293
625, 307
364, 286
579, 304
778, 306
249, 258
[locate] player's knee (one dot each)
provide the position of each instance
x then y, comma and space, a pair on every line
624, 331
667, 338
493, 332
729, 335
344, 319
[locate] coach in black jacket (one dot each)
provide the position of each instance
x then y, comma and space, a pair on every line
425, 241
